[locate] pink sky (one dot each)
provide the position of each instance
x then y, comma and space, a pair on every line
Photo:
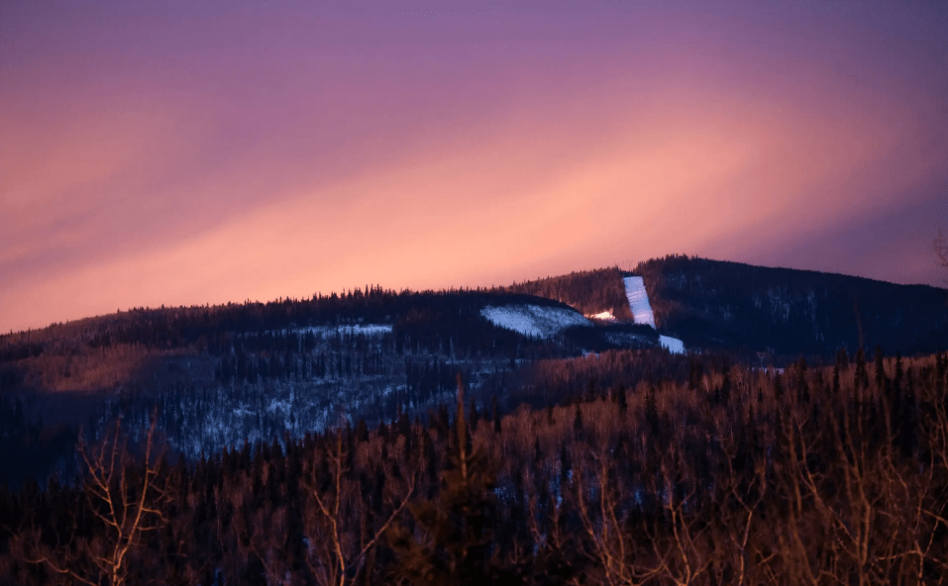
185, 153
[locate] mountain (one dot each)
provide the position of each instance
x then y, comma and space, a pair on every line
219, 376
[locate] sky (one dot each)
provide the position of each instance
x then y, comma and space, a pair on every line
183, 153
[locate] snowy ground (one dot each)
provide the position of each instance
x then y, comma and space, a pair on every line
534, 320
638, 300
324, 332
673, 345
356, 329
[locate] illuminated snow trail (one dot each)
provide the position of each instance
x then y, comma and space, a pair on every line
638, 300
642, 312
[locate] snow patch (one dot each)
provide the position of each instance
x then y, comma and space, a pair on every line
354, 329
534, 320
673, 345
281, 406
604, 316
638, 300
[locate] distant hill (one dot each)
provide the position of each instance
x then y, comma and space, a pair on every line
745, 309
718, 304
218, 375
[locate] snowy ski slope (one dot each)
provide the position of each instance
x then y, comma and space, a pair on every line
638, 300
642, 312
534, 320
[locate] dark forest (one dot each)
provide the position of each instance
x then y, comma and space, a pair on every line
734, 475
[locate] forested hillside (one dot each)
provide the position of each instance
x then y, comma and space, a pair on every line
326, 440
785, 313
219, 376
725, 475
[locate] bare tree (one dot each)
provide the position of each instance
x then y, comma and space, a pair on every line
686, 550
124, 496
876, 509
741, 494
334, 557
617, 557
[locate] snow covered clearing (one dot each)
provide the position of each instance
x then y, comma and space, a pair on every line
673, 345
534, 320
638, 300
355, 329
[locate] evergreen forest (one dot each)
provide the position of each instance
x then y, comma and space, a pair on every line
731, 475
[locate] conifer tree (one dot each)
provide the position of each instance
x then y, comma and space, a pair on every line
496, 415
621, 399
453, 541
862, 375
881, 379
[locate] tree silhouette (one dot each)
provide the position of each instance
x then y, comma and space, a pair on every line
453, 537
335, 560
124, 500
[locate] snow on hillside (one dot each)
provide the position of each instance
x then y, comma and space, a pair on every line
638, 300
325, 332
642, 312
604, 316
534, 320
355, 329
673, 345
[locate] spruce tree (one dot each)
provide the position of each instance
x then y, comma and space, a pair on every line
617, 395
453, 541
881, 379
496, 415
862, 375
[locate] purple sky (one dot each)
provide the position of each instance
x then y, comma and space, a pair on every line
185, 153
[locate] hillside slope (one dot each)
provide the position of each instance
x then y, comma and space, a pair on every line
217, 376
719, 304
